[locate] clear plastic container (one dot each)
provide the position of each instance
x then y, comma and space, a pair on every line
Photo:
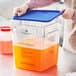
6, 46
36, 44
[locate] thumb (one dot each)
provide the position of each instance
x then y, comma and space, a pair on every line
19, 13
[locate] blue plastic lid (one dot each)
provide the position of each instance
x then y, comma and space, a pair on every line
39, 15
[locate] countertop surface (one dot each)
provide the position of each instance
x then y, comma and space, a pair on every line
65, 65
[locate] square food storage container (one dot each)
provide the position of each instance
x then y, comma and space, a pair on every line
36, 40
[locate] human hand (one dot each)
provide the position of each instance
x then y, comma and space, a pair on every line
68, 13
20, 10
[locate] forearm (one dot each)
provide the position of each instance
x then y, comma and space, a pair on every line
40, 3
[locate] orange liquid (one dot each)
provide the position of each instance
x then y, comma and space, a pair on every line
6, 47
35, 54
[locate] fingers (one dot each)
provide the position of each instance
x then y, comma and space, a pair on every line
65, 15
68, 13
18, 11
15, 11
21, 10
